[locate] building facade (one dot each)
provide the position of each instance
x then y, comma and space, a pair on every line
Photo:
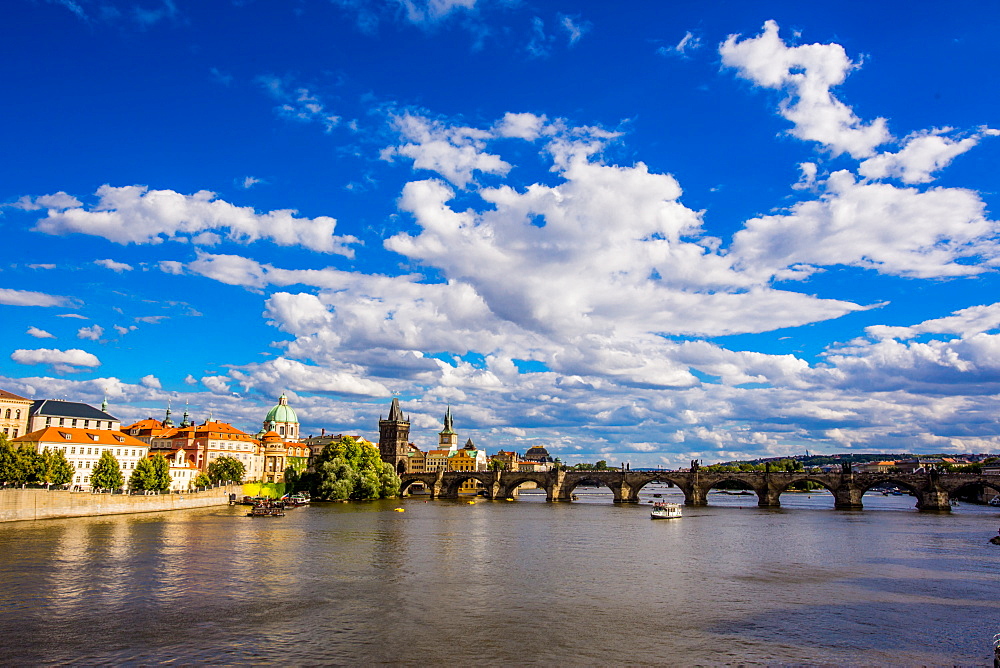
394, 438
84, 447
14, 412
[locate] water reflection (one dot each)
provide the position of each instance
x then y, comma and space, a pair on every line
502, 582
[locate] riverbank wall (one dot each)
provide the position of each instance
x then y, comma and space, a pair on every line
42, 504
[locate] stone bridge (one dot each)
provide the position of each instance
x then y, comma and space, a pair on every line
932, 490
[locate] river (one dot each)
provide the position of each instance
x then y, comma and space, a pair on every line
501, 583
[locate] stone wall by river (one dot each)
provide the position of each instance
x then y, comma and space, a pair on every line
40, 504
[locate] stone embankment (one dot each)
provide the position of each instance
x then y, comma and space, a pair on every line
40, 504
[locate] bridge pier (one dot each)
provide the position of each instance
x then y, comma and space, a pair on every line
847, 497
694, 495
768, 497
934, 499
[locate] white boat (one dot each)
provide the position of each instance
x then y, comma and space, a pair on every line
665, 511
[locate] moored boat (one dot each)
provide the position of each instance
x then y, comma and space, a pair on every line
665, 511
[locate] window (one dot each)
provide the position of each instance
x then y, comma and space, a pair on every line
19, 414
6, 431
88, 451
48, 421
65, 435
118, 452
73, 423
7, 415
72, 451
15, 433
120, 438
86, 424
62, 421
93, 437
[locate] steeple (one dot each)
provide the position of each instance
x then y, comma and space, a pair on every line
448, 428
104, 404
186, 421
393, 438
447, 438
167, 422
395, 413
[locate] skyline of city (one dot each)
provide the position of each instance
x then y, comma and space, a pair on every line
647, 234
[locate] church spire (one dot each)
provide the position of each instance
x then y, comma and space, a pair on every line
448, 426
167, 422
395, 412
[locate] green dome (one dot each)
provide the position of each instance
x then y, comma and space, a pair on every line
282, 412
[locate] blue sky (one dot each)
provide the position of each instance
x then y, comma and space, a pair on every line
641, 233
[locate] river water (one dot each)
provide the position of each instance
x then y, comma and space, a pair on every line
500, 583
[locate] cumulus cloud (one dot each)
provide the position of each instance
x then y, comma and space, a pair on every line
280, 374
40, 333
807, 73
896, 231
60, 360
453, 152
13, 297
151, 381
966, 322
921, 156
93, 333
136, 214
216, 384
117, 267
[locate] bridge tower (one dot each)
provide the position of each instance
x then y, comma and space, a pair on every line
394, 437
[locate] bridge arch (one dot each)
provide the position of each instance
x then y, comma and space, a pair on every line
408, 481
452, 484
979, 485
712, 483
511, 482
599, 481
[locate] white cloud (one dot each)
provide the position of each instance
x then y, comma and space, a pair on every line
135, 214
431, 11
216, 384
41, 266
93, 333
13, 297
118, 267
574, 27
521, 126
61, 360
151, 381
965, 322
280, 374
922, 155
807, 73
190, 380
897, 231
250, 181
690, 42
453, 152
122, 331
40, 333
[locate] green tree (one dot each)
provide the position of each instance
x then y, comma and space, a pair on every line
348, 469
151, 474
54, 468
107, 474
201, 480
226, 469
291, 478
27, 465
8, 461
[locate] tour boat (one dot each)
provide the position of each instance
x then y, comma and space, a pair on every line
665, 511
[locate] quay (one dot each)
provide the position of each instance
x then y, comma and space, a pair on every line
17, 504
933, 490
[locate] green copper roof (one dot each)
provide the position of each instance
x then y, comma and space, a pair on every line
282, 412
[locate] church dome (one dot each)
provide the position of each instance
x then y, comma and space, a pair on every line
282, 412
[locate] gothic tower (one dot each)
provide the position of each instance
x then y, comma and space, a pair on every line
447, 438
394, 438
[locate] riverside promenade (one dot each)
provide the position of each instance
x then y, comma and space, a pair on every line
18, 504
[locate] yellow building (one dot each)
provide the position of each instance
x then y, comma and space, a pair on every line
13, 414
